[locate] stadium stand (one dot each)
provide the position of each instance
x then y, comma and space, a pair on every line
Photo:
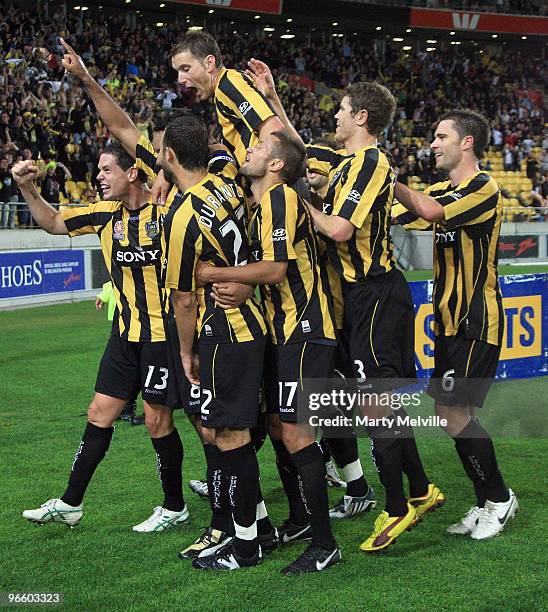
41, 118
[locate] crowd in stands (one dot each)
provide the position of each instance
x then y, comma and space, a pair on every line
46, 117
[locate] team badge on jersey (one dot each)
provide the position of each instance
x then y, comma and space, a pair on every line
118, 231
151, 229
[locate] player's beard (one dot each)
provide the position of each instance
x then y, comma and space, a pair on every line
168, 174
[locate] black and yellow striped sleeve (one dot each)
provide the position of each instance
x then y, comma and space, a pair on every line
89, 219
407, 219
184, 250
279, 224
364, 181
237, 92
472, 202
322, 159
223, 164
146, 158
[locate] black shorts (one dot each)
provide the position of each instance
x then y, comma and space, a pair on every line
129, 367
379, 320
287, 366
464, 369
181, 394
231, 375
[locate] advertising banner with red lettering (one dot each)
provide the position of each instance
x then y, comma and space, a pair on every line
258, 6
478, 22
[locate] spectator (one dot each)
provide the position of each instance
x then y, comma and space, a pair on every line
8, 196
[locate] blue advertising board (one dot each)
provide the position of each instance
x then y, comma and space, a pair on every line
40, 272
525, 343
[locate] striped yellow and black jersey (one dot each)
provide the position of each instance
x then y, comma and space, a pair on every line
146, 160
466, 293
131, 245
361, 190
323, 160
281, 229
240, 109
207, 224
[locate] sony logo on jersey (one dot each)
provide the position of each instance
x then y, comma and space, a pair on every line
279, 234
245, 107
354, 196
137, 258
444, 237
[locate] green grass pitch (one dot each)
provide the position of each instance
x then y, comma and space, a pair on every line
48, 361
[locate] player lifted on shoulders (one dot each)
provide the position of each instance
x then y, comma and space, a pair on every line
466, 214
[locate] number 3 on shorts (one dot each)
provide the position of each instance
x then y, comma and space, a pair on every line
164, 373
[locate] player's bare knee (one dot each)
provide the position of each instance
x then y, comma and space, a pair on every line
274, 426
101, 415
208, 436
229, 439
158, 420
296, 436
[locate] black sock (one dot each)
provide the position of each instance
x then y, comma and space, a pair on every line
169, 462
345, 453
387, 451
241, 467
480, 493
221, 517
258, 434
311, 469
477, 454
264, 524
326, 451
411, 461
92, 449
298, 514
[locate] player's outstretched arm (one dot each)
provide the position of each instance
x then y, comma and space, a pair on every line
117, 121
264, 81
422, 205
49, 219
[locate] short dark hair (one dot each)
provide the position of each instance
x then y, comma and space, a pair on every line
123, 158
326, 142
161, 118
470, 123
377, 100
200, 44
293, 154
188, 137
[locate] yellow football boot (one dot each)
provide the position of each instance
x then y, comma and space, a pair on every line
433, 499
388, 528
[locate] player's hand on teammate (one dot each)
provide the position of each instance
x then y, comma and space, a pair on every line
160, 189
72, 62
203, 273
191, 366
262, 77
231, 295
24, 172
